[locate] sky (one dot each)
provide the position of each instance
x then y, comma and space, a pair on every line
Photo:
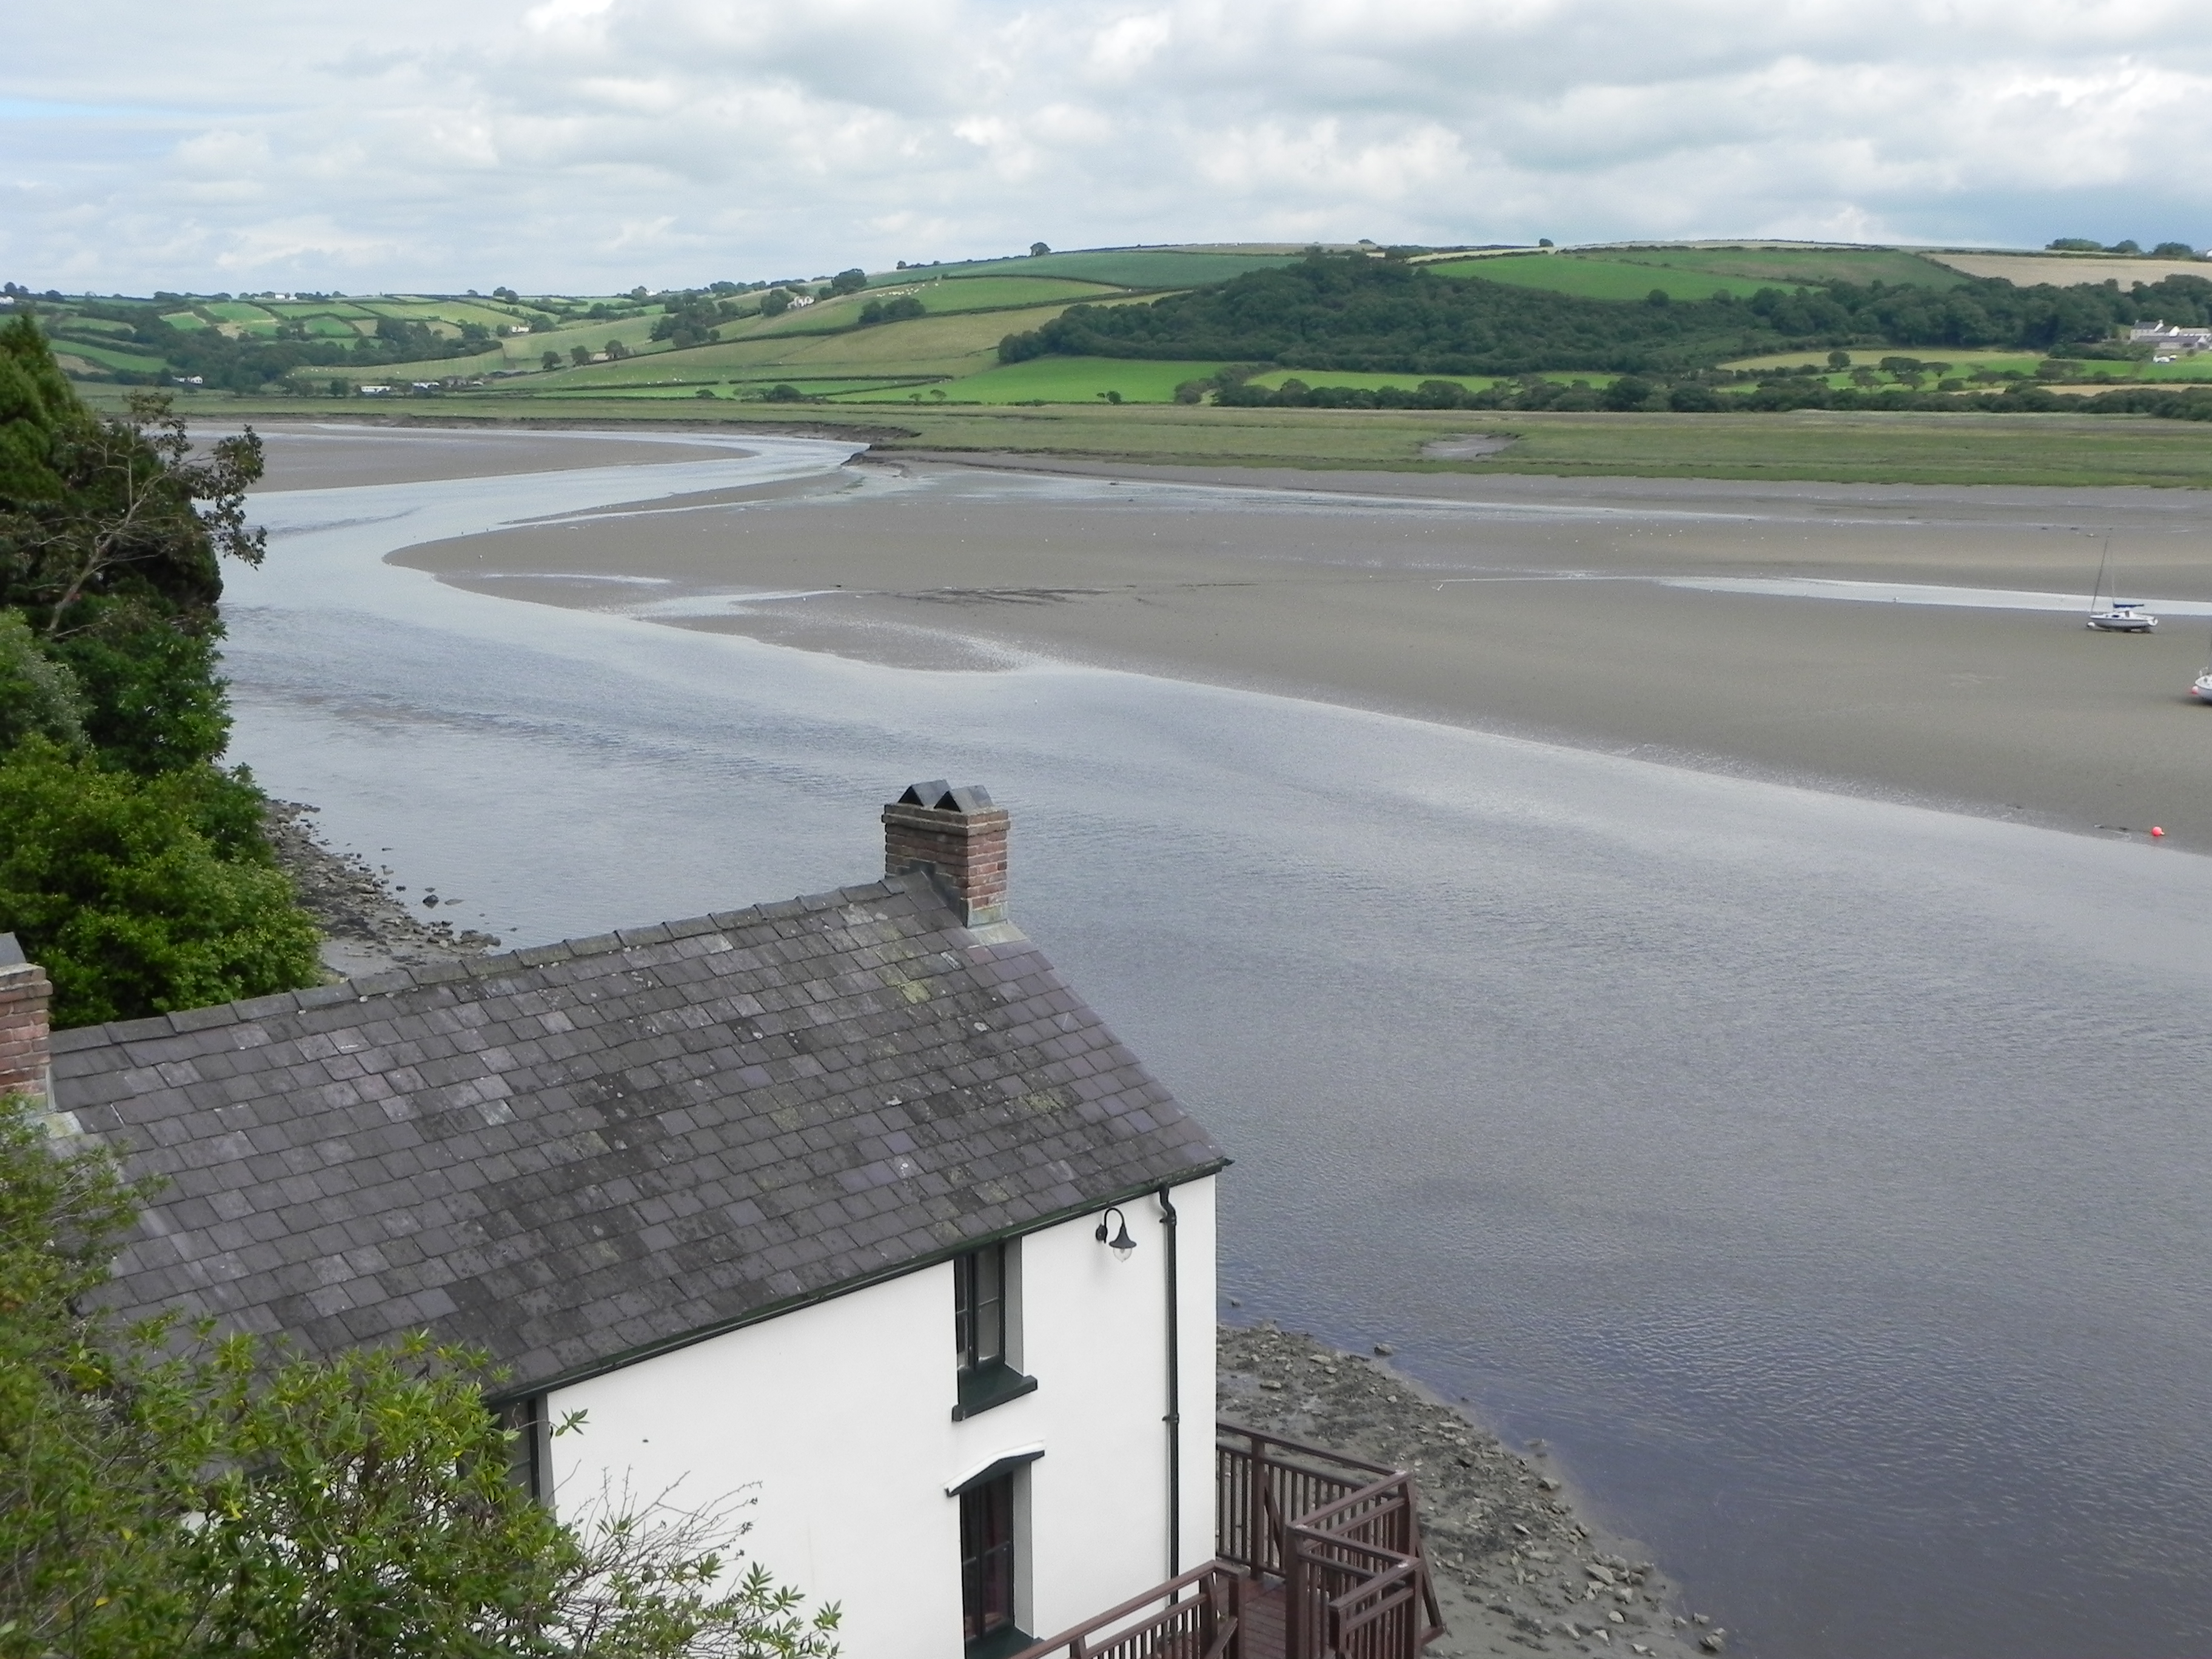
592, 145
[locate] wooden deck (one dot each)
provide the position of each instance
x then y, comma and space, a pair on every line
1264, 1634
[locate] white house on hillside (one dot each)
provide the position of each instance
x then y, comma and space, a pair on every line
849, 1200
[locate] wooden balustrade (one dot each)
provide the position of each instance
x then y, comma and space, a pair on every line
1317, 1556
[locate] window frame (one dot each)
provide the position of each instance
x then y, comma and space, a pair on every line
987, 1327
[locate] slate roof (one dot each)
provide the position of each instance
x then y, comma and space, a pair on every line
581, 1153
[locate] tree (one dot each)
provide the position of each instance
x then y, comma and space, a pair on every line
1038, 250
2173, 250
848, 282
2075, 244
169, 1494
1839, 360
109, 521
144, 896
775, 302
579, 355
1629, 391
617, 351
549, 362
2128, 246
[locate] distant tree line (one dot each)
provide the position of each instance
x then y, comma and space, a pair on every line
1353, 313
1699, 392
2090, 245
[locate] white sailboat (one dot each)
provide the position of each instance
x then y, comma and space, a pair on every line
2203, 690
2116, 616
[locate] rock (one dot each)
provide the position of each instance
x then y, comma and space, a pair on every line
1385, 1349
1713, 1641
1603, 1575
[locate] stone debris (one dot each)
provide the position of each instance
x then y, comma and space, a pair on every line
367, 927
1517, 1569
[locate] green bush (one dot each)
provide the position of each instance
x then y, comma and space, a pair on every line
167, 1494
38, 696
143, 896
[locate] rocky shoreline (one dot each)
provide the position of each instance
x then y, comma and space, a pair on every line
368, 928
1516, 1566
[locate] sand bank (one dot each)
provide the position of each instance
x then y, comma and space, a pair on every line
1533, 606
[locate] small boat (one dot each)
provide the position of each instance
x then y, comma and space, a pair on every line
2116, 616
2202, 689
2121, 616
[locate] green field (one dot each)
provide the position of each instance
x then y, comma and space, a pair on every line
953, 296
1063, 380
985, 292
1148, 268
1594, 279
1770, 267
107, 357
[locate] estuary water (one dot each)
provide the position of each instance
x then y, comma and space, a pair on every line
1827, 1181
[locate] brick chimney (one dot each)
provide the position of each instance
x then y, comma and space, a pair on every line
959, 838
24, 993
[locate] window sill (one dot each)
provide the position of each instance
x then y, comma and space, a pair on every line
988, 1386
999, 1643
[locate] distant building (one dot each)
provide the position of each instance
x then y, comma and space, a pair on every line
2174, 336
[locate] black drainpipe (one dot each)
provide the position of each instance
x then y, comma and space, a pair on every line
1175, 1394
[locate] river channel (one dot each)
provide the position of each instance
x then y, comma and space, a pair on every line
1827, 1180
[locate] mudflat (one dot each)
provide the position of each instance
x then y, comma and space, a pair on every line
312, 455
1555, 609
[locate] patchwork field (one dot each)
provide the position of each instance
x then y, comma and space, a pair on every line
2069, 270
1770, 267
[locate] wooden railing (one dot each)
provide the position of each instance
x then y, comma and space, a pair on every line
1328, 1547
1207, 1625
1357, 1586
1263, 1483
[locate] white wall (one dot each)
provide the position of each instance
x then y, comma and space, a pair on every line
839, 1417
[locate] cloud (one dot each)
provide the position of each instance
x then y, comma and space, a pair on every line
595, 143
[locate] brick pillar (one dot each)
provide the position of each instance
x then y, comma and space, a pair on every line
959, 838
24, 993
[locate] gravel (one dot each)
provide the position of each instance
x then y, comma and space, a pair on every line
367, 926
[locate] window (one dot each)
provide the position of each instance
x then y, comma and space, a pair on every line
986, 1559
987, 1327
528, 1464
979, 1306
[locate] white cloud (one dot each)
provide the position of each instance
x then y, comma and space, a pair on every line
583, 143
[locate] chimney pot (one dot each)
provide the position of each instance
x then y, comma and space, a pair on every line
958, 839
25, 994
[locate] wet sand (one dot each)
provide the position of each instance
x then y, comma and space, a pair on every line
314, 455
1532, 606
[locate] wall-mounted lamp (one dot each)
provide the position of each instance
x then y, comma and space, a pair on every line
1120, 1243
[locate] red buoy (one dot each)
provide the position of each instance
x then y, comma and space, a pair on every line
2155, 830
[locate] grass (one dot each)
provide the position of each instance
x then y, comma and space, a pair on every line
1772, 267
107, 357
2057, 450
1064, 380
1594, 279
